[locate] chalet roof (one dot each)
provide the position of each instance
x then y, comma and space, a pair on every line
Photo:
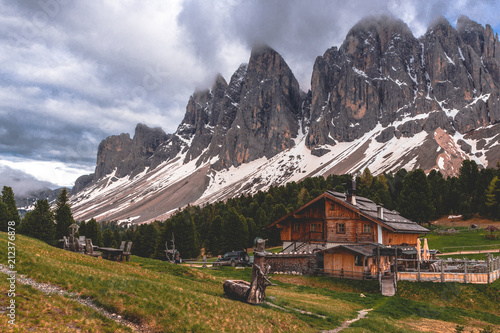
366, 250
366, 207
391, 218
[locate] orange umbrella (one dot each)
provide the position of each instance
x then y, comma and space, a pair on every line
419, 254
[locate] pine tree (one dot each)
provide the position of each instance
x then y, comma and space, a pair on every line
146, 241
493, 197
4, 217
93, 231
82, 231
117, 237
184, 230
234, 231
63, 215
10, 203
39, 223
416, 198
467, 179
214, 236
107, 237
439, 192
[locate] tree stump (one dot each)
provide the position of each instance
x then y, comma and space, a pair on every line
255, 292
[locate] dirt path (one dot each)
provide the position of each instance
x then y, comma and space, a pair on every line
345, 324
51, 289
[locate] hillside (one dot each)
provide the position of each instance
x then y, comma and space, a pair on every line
161, 297
383, 99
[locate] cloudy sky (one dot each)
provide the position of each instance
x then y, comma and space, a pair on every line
74, 72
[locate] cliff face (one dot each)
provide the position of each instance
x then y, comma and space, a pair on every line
128, 156
383, 99
125, 157
383, 75
267, 115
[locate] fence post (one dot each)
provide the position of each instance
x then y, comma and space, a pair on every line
465, 270
378, 267
442, 270
418, 270
488, 266
396, 273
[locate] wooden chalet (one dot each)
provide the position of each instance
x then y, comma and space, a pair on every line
351, 233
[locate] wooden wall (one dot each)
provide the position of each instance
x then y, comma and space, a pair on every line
286, 233
354, 231
341, 260
326, 214
391, 238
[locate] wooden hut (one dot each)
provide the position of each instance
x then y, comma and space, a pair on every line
349, 231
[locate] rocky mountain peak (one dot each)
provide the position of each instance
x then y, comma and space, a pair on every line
383, 99
465, 24
266, 119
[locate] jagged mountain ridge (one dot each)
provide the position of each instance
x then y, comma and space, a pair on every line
383, 99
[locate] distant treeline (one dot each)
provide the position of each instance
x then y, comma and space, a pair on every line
234, 224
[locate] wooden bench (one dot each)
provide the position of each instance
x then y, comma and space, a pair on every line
127, 252
89, 248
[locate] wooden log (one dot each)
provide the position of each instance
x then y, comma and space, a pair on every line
237, 289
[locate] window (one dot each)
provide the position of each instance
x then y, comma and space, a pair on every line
313, 227
340, 228
332, 207
367, 229
296, 227
358, 261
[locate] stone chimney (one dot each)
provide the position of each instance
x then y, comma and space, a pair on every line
351, 189
380, 212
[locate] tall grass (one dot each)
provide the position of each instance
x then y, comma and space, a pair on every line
171, 298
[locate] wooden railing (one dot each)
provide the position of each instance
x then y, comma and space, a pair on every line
463, 271
304, 240
343, 274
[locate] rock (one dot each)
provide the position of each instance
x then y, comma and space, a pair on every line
464, 146
320, 151
267, 117
386, 134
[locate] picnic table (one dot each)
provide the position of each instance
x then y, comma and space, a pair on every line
111, 253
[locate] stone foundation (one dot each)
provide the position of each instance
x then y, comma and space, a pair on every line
304, 263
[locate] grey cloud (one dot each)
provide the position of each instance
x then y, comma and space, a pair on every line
22, 183
302, 30
75, 72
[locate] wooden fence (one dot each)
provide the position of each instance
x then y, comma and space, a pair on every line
346, 274
466, 273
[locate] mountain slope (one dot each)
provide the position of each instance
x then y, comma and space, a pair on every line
384, 100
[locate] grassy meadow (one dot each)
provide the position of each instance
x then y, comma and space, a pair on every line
169, 298
474, 240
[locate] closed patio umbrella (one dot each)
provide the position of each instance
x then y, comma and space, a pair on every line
419, 248
427, 254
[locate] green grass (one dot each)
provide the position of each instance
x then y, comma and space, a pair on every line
172, 298
452, 243
37, 312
